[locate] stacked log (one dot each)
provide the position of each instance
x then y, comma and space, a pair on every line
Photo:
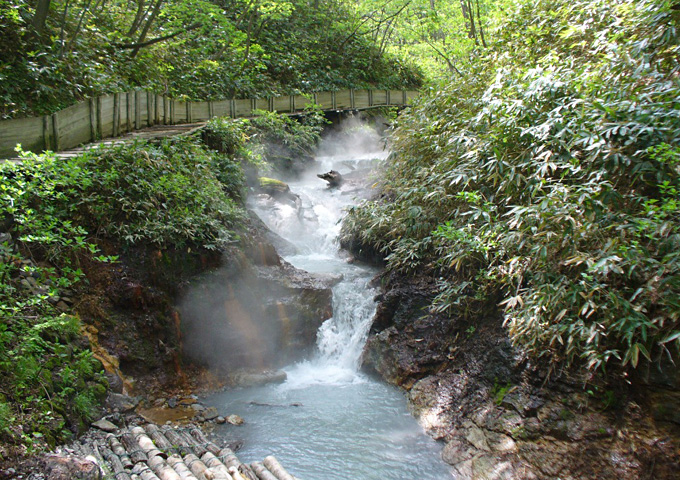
118, 449
262, 472
202, 439
177, 440
145, 443
176, 462
135, 452
144, 472
162, 469
216, 466
153, 453
160, 440
197, 467
275, 467
119, 471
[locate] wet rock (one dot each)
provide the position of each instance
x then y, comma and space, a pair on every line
333, 178
210, 413
105, 425
197, 407
253, 379
220, 420
57, 467
235, 420
121, 403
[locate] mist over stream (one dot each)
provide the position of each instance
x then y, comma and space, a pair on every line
328, 420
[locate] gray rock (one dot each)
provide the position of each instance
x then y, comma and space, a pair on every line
476, 437
197, 407
105, 425
121, 403
220, 420
210, 413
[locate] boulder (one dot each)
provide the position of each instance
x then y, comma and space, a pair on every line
333, 178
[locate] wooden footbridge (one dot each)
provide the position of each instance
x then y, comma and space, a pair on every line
167, 453
111, 116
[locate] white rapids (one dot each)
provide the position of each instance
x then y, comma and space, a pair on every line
329, 421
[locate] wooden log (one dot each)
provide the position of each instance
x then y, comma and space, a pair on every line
176, 462
262, 472
200, 437
177, 440
145, 443
197, 467
119, 471
119, 450
229, 458
144, 472
162, 469
276, 468
159, 439
135, 452
247, 472
198, 448
235, 474
217, 467
100, 458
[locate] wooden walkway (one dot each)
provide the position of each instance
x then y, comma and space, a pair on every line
112, 116
166, 453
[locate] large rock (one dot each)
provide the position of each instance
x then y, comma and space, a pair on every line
58, 467
258, 317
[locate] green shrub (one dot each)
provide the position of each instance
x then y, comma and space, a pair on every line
549, 177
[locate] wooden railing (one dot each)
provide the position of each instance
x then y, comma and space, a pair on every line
113, 115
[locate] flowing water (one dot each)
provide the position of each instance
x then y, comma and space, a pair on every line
329, 421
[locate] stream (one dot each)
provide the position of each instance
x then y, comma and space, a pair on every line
328, 420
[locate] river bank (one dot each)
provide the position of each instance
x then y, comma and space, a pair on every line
503, 415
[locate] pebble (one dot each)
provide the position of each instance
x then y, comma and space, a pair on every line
198, 407
220, 420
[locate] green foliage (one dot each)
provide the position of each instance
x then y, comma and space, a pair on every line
43, 371
550, 177
190, 49
170, 194
165, 194
268, 140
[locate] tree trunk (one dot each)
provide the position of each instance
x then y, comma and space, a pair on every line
40, 17
147, 26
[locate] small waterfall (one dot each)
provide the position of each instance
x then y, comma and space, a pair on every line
328, 421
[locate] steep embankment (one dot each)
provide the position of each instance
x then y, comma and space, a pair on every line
529, 224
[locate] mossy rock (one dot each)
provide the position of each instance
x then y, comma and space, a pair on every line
273, 187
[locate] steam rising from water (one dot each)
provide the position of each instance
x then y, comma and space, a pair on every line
328, 421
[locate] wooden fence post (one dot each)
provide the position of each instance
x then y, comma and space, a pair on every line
128, 111
55, 131
232, 108
403, 97
138, 111
93, 119
387, 97
334, 102
46, 132
211, 110
189, 112
116, 113
351, 98
100, 133
370, 98
292, 103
